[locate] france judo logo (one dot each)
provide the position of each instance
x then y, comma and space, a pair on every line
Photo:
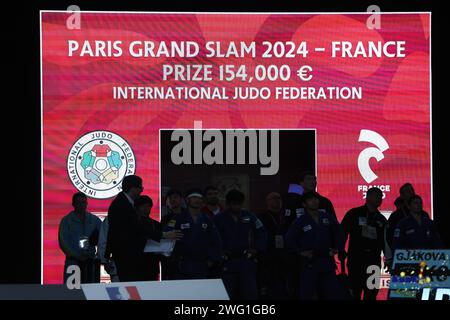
376, 152
98, 162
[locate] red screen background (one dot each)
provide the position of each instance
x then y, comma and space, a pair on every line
77, 98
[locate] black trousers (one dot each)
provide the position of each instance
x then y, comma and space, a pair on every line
168, 268
143, 267
292, 265
357, 274
127, 269
273, 277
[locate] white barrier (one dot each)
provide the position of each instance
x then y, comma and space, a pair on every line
207, 289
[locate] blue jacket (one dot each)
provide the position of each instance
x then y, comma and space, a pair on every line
410, 235
200, 242
304, 235
247, 232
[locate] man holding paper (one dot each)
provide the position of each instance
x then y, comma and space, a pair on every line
128, 233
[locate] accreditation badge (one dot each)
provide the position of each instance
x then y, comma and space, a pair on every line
279, 241
369, 232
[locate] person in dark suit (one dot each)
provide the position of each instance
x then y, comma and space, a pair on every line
127, 233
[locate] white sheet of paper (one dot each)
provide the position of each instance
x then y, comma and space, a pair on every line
165, 245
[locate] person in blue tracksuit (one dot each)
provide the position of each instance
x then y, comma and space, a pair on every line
416, 231
316, 237
401, 203
78, 237
243, 238
200, 248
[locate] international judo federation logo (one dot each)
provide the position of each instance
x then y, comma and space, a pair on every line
98, 162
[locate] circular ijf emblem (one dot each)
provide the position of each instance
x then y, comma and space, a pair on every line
98, 162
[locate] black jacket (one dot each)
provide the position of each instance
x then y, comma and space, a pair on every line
359, 244
128, 233
394, 219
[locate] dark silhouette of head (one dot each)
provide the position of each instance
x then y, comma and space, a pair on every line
143, 205
132, 185
308, 180
415, 204
173, 198
79, 202
211, 195
235, 199
374, 197
310, 200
